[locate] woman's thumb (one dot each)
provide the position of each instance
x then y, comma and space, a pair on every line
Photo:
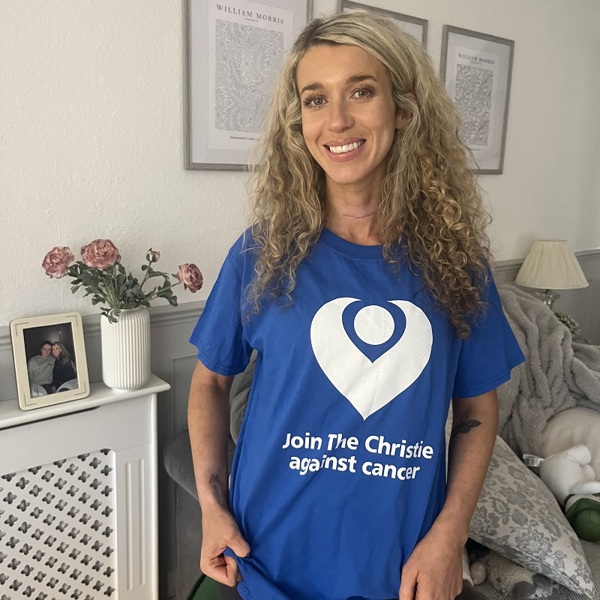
239, 546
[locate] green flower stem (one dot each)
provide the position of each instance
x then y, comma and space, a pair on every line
154, 293
146, 277
149, 274
109, 284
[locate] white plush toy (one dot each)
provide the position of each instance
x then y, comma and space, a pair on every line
570, 472
570, 428
571, 468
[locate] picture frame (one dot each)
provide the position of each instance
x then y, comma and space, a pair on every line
47, 376
476, 69
226, 93
413, 25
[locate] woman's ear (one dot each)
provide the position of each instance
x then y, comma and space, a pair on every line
403, 116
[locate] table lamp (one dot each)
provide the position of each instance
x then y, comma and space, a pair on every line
551, 265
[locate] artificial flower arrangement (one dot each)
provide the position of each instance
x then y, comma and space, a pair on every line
103, 277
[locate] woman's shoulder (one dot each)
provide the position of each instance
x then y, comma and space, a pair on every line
241, 257
243, 247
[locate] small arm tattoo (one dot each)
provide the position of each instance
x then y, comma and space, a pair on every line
216, 485
465, 426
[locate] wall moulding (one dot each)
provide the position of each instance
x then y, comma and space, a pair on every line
184, 315
167, 320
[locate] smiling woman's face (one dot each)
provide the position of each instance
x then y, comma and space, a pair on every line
348, 114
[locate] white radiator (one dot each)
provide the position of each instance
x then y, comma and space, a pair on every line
78, 501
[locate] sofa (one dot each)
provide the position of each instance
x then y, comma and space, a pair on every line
518, 532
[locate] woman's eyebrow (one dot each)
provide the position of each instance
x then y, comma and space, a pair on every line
352, 79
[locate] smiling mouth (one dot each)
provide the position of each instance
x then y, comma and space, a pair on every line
345, 147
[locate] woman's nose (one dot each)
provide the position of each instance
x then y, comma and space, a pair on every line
340, 117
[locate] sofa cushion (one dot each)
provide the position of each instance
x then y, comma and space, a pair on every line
518, 517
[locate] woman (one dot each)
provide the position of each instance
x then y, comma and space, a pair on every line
363, 286
64, 367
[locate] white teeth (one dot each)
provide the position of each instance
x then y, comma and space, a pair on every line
345, 147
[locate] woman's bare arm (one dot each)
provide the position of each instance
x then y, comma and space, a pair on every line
208, 422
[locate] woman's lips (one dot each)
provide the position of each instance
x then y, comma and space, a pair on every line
344, 150
339, 149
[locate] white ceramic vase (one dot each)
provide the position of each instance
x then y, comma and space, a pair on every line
126, 350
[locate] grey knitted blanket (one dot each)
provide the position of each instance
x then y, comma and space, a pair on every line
557, 375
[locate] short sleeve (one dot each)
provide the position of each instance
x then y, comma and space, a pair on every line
487, 357
219, 333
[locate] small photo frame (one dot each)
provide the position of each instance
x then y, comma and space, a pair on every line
411, 25
476, 69
50, 362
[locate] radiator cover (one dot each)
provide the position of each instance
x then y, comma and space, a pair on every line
78, 499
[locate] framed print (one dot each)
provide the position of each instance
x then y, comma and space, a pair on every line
476, 69
412, 25
234, 50
50, 362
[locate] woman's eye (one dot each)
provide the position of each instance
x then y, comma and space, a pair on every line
313, 101
363, 93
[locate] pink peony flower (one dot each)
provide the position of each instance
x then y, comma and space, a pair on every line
57, 261
191, 277
100, 254
153, 255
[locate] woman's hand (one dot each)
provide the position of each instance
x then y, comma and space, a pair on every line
434, 569
220, 531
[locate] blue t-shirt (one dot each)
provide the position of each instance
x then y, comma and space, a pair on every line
340, 465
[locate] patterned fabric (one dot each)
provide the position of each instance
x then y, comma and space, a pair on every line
518, 517
557, 592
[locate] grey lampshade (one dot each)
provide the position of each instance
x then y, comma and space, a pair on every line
551, 265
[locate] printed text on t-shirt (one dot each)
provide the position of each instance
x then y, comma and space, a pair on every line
373, 444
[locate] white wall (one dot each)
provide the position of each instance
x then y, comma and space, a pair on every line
91, 136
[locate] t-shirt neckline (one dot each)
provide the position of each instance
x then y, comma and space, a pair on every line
335, 242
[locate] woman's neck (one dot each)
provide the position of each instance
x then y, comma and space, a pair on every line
353, 217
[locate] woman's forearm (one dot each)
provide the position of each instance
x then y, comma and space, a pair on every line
474, 430
208, 422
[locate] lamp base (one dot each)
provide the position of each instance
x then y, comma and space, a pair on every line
548, 297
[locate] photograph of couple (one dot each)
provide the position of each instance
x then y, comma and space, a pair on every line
51, 365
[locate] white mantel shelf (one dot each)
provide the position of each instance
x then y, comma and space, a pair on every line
78, 497
11, 415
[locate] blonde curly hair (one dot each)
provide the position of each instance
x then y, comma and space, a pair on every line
430, 205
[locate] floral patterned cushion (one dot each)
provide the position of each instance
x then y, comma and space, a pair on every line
518, 517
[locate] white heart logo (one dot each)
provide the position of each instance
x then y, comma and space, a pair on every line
368, 385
